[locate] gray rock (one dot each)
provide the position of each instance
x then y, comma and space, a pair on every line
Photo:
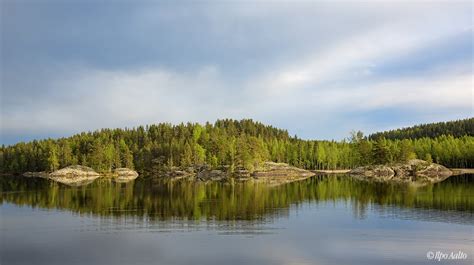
124, 174
280, 173
269, 172
414, 170
213, 175
74, 174
75, 170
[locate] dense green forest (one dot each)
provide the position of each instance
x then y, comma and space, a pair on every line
457, 128
232, 143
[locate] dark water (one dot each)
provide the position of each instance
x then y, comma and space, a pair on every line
322, 220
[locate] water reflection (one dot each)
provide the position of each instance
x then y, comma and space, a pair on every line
152, 200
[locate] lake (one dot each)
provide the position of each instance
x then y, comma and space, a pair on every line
320, 220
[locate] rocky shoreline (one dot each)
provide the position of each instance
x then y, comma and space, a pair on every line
268, 172
77, 175
74, 175
415, 170
124, 174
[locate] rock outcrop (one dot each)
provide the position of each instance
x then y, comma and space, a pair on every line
212, 175
280, 173
415, 170
124, 174
269, 172
74, 175
77, 175
280, 170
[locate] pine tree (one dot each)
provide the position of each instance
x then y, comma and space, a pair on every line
381, 152
187, 156
53, 162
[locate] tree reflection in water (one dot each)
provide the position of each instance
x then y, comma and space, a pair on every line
152, 199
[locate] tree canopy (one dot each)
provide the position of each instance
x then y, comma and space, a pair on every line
230, 143
456, 128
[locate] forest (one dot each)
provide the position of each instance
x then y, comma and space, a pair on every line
456, 128
237, 144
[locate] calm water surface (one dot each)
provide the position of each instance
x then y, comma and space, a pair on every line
322, 220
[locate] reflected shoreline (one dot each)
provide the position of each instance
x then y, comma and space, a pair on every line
449, 201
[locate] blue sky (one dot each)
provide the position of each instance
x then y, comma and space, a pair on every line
319, 69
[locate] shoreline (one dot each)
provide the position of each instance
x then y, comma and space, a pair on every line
456, 171
462, 171
331, 171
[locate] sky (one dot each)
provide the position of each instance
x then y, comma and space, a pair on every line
319, 69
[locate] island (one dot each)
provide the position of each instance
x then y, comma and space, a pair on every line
244, 150
77, 175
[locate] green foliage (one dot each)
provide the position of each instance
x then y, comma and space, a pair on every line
457, 129
53, 162
236, 144
381, 152
428, 158
187, 156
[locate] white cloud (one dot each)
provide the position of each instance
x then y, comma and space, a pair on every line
449, 91
96, 99
352, 55
315, 81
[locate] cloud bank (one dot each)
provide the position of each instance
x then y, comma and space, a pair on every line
318, 69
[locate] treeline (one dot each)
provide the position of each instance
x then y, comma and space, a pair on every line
456, 128
230, 143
